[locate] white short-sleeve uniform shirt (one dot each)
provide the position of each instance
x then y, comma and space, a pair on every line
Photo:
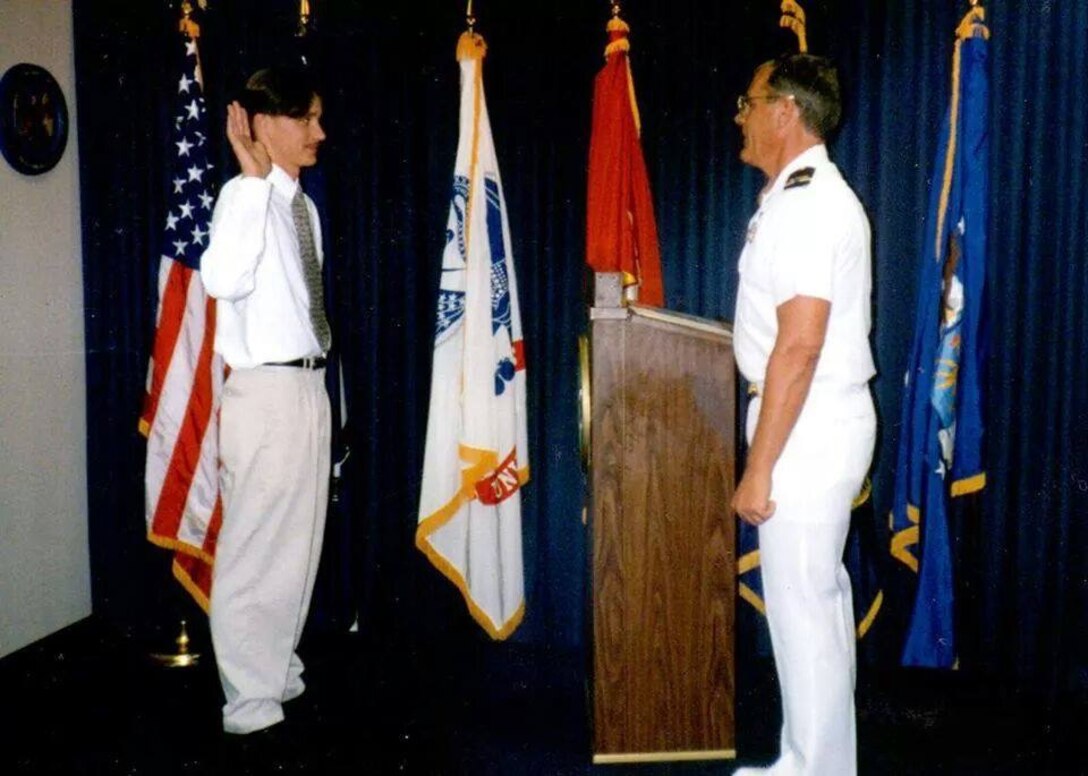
809, 237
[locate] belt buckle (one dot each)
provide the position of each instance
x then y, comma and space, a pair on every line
309, 362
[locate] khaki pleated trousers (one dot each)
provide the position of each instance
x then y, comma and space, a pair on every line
274, 475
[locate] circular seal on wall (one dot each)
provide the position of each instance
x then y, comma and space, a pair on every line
33, 119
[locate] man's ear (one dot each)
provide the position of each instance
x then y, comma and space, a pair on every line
258, 124
786, 114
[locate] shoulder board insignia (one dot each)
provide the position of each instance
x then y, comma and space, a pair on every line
800, 178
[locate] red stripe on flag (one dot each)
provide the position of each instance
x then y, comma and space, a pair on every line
214, 525
187, 449
171, 317
196, 573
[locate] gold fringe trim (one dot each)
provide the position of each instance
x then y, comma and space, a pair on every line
482, 461
144, 428
192, 588
749, 595
969, 485
901, 544
747, 562
498, 633
634, 102
750, 561
866, 492
870, 616
950, 152
171, 543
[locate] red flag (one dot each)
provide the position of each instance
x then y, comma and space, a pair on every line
621, 235
185, 377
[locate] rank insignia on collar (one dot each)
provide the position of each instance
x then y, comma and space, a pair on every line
800, 178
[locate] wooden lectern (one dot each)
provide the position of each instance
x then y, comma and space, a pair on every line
661, 460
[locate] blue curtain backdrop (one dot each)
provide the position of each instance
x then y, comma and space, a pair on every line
390, 85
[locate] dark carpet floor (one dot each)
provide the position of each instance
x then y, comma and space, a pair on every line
87, 701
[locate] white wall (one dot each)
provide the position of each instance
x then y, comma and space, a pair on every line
44, 560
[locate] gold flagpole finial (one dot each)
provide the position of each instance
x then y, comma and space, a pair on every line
304, 16
186, 24
793, 18
615, 8
973, 24
470, 45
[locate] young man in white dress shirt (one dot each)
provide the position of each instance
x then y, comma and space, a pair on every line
801, 338
263, 267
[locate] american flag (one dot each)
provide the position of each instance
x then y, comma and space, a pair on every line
185, 377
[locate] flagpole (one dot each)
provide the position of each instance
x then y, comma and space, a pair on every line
304, 16
183, 657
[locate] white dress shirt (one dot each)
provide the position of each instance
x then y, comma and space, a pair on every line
810, 239
252, 267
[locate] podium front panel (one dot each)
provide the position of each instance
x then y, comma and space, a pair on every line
663, 568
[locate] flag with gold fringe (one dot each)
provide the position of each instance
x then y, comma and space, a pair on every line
940, 444
185, 377
476, 458
621, 234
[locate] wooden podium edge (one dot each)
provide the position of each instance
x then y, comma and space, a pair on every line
621, 758
705, 325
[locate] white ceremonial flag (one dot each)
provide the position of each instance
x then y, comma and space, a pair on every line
477, 455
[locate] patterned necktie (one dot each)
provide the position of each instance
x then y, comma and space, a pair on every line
311, 270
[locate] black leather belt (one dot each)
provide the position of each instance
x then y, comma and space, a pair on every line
310, 362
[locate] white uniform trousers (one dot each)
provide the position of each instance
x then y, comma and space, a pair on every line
274, 436
806, 587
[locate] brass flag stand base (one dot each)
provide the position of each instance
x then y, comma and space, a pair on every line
183, 658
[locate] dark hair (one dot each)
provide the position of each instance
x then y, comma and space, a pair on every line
814, 83
279, 91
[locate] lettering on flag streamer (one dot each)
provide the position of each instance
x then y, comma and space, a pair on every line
476, 458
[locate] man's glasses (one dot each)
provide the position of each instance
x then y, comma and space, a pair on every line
744, 101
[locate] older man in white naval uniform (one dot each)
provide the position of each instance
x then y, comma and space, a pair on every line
801, 337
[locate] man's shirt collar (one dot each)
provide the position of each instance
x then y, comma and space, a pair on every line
812, 157
282, 182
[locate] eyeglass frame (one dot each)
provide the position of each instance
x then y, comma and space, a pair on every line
744, 101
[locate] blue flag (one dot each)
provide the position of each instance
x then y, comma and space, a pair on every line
941, 432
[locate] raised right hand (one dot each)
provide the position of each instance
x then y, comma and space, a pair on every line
252, 156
